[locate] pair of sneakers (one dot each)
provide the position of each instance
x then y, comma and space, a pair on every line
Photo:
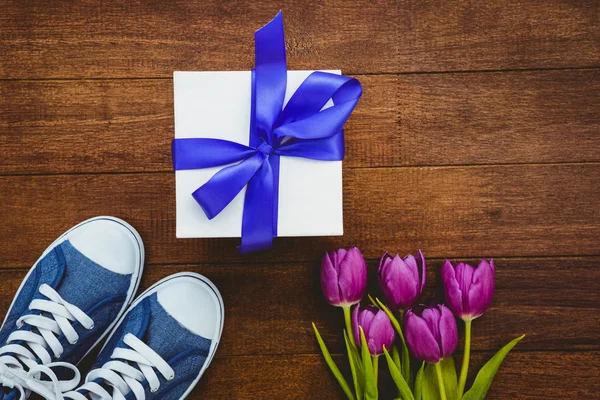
79, 292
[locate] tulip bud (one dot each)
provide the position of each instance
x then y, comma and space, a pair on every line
343, 277
401, 279
468, 290
431, 333
377, 327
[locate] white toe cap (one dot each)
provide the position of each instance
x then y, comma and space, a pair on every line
109, 242
195, 303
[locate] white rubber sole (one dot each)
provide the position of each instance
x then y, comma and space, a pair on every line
218, 328
135, 281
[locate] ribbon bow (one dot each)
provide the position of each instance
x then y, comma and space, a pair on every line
301, 129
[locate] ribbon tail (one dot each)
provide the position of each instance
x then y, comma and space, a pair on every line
270, 74
269, 81
224, 186
257, 222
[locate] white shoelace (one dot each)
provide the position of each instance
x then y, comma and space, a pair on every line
23, 347
122, 376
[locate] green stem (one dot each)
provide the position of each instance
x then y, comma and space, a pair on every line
405, 368
398, 327
375, 368
464, 369
348, 319
405, 357
440, 378
401, 324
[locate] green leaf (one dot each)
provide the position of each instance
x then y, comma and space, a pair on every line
398, 378
334, 369
406, 362
405, 355
370, 384
356, 368
486, 374
430, 386
450, 378
396, 356
372, 300
419, 383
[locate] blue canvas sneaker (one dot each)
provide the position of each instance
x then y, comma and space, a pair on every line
161, 346
69, 301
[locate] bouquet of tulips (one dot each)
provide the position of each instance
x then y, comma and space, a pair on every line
430, 332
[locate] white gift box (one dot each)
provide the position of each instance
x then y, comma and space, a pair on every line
217, 105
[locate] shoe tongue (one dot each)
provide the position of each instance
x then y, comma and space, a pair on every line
167, 337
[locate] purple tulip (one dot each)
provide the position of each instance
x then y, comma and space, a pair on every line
343, 277
402, 279
431, 333
377, 327
468, 290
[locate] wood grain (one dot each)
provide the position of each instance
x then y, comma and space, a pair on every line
269, 308
152, 39
155, 38
537, 375
533, 210
406, 120
127, 125
515, 117
465, 35
477, 135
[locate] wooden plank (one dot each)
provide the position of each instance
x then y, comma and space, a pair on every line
127, 125
545, 375
406, 120
517, 117
532, 210
64, 39
139, 39
465, 35
538, 375
269, 308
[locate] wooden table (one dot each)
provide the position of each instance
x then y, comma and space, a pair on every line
478, 135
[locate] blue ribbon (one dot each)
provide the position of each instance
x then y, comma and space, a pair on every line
301, 129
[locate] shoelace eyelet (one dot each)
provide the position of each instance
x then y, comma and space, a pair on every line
154, 390
170, 378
